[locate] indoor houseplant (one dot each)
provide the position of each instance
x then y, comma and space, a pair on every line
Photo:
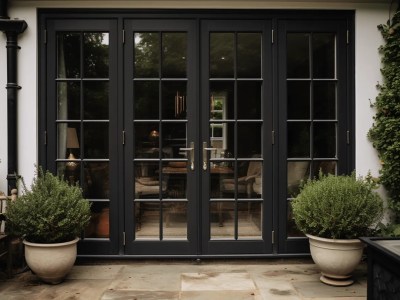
49, 217
333, 211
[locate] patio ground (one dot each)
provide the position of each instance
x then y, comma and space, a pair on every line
284, 279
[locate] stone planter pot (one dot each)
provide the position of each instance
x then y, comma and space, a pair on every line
336, 258
51, 262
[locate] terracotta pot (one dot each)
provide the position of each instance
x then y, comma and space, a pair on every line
336, 258
51, 262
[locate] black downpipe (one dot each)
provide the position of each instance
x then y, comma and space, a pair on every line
11, 28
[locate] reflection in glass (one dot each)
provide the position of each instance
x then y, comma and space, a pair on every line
222, 220
222, 139
95, 55
222, 100
147, 220
68, 55
95, 100
221, 55
174, 138
249, 55
68, 98
175, 220
326, 167
222, 181
96, 184
147, 180
324, 55
325, 139
147, 54
68, 145
297, 172
249, 220
248, 140
324, 100
298, 100
298, 55
298, 139
146, 137
95, 137
99, 226
175, 173
174, 100
146, 100
292, 230
71, 175
174, 54
249, 100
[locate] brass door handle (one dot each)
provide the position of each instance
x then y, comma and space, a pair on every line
205, 155
191, 154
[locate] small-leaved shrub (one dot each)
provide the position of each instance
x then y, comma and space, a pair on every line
52, 211
338, 207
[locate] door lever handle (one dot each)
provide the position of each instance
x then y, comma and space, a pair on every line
205, 155
191, 154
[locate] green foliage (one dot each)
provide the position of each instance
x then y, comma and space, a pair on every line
340, 207
51, 212
385, 132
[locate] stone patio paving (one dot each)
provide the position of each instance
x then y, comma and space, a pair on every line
285, 279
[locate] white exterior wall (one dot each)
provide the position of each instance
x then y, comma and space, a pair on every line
367, 40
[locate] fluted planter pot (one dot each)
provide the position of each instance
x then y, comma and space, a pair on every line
51, 262
336, 258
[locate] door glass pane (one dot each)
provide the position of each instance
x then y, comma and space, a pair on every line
147, 54
324, 100
175, 220
96, 184
222, 220
147, 217
298, 139
173, 139
95, 100
298, 100
174, 174
147, 181
146, 137
324, 139
297, 172
249, 100
69, 140
249, 55
68, 94
222, 139
222, 181
99, 226
324, 55
174, 101
95, 137
222, 103
292, 230
174, 46
146, 100
298, 55
70, 171
68, 55
249, 220
326, 167
95, 55
222, 55
249, 140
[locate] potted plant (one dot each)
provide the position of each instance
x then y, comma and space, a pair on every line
49, 217
333, 211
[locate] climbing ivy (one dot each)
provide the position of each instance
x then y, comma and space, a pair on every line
385, 132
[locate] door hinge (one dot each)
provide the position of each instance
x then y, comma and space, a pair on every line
348, 137
45, 137
123, 137
273, 237
348, 37
124, 238
272, 36
45, 37
273, 137
123, 36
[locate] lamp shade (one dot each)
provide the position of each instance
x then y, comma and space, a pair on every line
72, 138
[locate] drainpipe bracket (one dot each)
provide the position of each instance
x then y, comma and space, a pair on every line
17, 26
13, 86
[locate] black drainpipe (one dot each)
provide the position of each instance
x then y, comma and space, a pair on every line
11, 28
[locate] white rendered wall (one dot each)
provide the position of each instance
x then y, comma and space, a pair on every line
367, 40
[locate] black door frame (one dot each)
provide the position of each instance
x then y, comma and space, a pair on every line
46, 133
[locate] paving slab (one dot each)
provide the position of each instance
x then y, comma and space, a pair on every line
220, 295
319, 290
217, 282
279, 294
95, 272
139, 295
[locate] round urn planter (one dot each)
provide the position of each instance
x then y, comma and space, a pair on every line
51, 262
336, 258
